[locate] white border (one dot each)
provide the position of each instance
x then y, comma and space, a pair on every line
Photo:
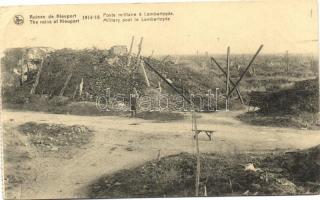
56, 2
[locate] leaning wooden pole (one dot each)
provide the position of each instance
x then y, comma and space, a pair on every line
228, 78
131, 45
166, 81
65, 85
139, 49
142, 64
145, 74
130, 51
36, 82
245, 71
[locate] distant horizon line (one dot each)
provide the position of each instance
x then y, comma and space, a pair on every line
203, 53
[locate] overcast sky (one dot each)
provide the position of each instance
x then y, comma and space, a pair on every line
280, 25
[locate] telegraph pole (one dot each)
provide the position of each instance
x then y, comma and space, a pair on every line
228, 77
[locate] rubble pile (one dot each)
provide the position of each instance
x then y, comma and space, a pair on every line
86, 74
295, 106
92, 69
221, 175
56, 137
91, 72
186, 78
303, 96
302, 165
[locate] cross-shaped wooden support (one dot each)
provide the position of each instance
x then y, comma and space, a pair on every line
235, 85
245, 71
225, 73
209, 133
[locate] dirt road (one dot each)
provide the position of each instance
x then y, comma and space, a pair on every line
121, 142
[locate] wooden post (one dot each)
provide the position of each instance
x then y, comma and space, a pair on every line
232, 83
217, 99
145, 74
75, 92
65, 84
141, 64
21, 70
36, 82
205, 191
194, 120
131, 45
228, 77
80, 87
139, 49
159, 97
24, 60
27, 63
130, 51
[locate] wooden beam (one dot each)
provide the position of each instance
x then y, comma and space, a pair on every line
228, 78
36, 82
194, 129
75, 92
141, 64
232, 83
166, 81
131, 45
139, 48
65, 85
130, 51
80, 87
245, 71
145, 74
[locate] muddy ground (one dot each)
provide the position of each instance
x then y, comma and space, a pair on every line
120, 143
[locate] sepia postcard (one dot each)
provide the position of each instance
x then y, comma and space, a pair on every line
188, 99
